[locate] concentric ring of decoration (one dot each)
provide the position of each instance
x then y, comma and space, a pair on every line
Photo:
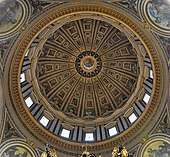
13, 15
88, 64
28, 36
104, 58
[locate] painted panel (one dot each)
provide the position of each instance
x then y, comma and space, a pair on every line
16, 151
158, 148
13, 14
159, 13
157, 145
16, 148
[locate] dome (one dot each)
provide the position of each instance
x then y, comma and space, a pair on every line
87, 69
86, 74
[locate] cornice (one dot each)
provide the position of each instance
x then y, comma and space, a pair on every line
55, 14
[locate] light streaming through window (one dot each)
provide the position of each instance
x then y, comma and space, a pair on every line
132, 118
151, 74
89, 137
44, 121
112, 131
22, 77
28, 102
65, 133
146, 98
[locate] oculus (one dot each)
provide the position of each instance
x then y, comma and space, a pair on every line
88, 64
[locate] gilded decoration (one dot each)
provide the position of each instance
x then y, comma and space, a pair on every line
87, 69
89, 62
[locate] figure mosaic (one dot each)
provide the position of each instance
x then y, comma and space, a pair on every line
159, 13
158, 149
16, 151
10, 14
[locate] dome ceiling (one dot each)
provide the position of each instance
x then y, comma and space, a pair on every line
85, 73
87, 69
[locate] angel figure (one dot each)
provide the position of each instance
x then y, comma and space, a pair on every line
52, 152
124, 152
85, 154
44, 154
115, 152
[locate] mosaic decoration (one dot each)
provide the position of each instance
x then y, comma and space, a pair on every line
4, 45
13, 14
16, 151
40, 5
16, 148
156, 146
159, 13
129, 4
158, 149
166, 44
9, 130
156, 14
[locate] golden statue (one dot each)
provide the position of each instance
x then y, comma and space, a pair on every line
124, 152
115, 152
44, 154
85, 153
51, 152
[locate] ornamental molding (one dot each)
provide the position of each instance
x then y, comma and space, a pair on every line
54, 14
